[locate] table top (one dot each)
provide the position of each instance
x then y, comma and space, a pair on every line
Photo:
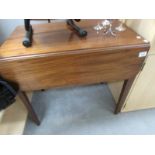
57, 38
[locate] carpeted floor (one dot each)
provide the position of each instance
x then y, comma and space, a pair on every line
86, 110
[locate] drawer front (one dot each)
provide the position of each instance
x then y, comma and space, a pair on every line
72, 69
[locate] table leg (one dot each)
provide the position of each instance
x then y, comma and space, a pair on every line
29, 107
124, 92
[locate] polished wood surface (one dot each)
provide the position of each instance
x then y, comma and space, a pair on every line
84, 68
58, 57
56, 38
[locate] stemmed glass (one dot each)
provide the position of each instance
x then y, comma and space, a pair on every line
107, 24
98, 27
121, 27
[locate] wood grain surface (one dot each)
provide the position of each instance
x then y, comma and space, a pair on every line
57, 38
58, 57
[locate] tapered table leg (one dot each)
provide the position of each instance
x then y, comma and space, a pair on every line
29, 107
124, 92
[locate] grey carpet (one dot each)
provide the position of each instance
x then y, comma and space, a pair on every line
85, 110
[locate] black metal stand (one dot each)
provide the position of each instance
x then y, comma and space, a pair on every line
27, 41
78, 30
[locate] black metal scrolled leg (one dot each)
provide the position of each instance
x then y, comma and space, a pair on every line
81, 32
27, 41
27, 24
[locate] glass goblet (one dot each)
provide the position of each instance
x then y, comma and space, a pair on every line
107, 25
121, 27
98, 27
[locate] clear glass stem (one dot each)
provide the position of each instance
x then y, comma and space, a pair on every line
121, 27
